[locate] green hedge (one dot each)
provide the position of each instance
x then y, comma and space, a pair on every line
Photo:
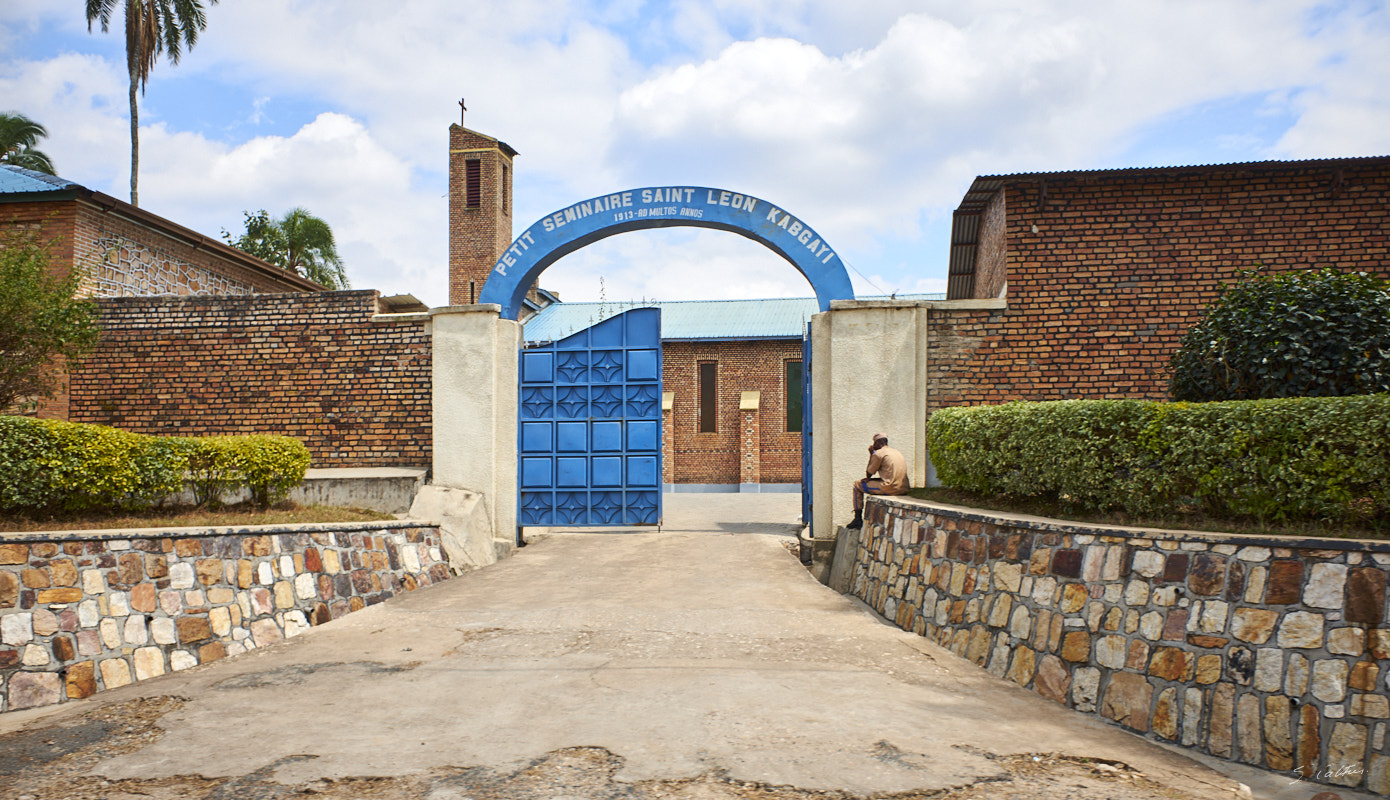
55, 466
268, 466
1281, 459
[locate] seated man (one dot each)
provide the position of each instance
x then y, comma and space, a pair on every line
892, 476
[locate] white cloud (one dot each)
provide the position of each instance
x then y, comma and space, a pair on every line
82, 103
867, 121
873, 137
664, 264
334, 167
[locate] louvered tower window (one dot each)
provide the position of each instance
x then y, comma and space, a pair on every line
473, 177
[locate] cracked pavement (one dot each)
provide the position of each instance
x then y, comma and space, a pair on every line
699, 664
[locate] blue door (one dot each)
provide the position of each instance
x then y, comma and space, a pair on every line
590, 427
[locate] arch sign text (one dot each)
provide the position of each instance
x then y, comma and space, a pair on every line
561, 233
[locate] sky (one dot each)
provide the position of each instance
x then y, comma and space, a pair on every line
867, 120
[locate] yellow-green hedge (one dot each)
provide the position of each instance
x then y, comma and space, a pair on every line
1293, 458
268, 466
52, 465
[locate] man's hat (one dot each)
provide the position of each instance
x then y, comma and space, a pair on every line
882, 436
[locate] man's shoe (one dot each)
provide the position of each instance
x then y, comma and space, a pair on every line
856, 523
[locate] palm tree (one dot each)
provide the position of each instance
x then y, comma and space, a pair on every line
151, 27
310, 250
299, 242
19, 137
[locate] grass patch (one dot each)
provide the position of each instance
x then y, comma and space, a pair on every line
285, 513
1192, 521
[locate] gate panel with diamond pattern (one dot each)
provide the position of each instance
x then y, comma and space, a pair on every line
590, 427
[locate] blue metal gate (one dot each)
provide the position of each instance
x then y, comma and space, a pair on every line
590, 426
806, 427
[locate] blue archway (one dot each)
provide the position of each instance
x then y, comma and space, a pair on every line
561, 233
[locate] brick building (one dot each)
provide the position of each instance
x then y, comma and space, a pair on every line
125, 251
1103, 271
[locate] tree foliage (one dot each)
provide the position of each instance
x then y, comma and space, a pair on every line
1311, 333
41, 321
152, 27
19, 138
299, 242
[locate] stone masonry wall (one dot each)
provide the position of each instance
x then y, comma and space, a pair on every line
321, 367
1273, 651
81, 613
125, 257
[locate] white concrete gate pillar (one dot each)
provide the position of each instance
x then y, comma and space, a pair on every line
868, 374
474, 409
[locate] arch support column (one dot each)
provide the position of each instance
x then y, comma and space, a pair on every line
474, 412
868, 374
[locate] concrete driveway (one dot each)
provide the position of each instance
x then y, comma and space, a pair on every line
699, 662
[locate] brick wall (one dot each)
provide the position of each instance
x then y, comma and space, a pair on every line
991, 263
80, 614
51, 222
743, 366
479, 235
1267, 650
1122, 264
320, 367
750, 447
960, 344
123, 256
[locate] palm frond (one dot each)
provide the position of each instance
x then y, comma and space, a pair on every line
19, 137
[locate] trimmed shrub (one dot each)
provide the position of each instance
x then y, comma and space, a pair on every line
212, 469
1313, 333
52, 465
56, 466
1281, 459
270, 466
23, 478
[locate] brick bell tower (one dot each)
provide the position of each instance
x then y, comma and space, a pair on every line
480, 208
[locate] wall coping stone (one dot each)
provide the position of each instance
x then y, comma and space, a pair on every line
987, 304
409, 316
344, 473
468, 308
27, 537
1093, 529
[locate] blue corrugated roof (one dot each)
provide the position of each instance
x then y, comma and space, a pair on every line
17, 180
778, 318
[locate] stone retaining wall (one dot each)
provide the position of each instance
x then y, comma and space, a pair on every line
88, 611
1272, 651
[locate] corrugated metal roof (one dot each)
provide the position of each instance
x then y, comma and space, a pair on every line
17, 180
1192, 168
777, 318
